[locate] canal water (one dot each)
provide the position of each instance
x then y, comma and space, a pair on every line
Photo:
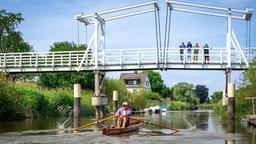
197, 126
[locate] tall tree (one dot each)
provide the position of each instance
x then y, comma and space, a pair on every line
54, 80
184, 92
202, 93
157, 84
10, 38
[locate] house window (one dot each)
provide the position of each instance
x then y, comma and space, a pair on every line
147, 83
132, 82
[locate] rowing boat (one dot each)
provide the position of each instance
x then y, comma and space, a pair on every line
134, 126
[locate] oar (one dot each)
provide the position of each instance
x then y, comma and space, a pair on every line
155, 124
92, 123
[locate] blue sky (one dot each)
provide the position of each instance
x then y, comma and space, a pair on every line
47, 21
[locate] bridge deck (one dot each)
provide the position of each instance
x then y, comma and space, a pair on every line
119, 60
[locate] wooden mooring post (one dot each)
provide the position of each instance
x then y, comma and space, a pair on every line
77, 96
231, 100
115, 105
231, 108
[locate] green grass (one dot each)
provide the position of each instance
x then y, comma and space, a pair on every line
35, 101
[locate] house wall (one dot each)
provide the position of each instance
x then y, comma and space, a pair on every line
147, 85
137, 87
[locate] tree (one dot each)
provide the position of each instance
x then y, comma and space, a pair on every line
247, 89
166, 92
216, 96
54, 80
184, 92
157, 84
10, 39
115, 85
202, 93
66, 46
138, 100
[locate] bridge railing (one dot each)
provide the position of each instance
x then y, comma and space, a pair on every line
129, 56
119, 57
172, 55
42, 59
215, 56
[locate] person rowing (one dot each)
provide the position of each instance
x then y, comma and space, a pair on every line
123, 114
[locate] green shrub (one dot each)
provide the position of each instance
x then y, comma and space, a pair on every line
33, 101
40, 102
86, 105
61, 101
205, 106
10, 107
138, 101
178, 105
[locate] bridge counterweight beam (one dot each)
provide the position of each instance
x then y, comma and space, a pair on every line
228, 38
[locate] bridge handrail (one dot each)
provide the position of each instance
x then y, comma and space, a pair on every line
113, 57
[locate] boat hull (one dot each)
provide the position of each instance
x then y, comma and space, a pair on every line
115, 131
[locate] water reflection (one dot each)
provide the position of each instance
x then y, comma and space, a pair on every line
178, 119
230, 125
205, 122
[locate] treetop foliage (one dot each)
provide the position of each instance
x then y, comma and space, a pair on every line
10, 38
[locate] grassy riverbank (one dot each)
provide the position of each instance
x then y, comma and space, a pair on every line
29, 100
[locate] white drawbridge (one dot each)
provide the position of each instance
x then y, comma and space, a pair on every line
100, 57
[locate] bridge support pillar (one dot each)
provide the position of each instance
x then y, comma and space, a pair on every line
77, 96
228, 80
99, 100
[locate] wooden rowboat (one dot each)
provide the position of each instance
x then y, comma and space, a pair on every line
134, 126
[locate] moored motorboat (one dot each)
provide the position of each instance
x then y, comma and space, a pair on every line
134, 126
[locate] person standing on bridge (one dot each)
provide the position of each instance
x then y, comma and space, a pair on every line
123, 115
182, 47
206, 53
196, 52
189, 51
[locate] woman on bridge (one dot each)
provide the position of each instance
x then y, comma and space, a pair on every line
189, 51
182, 47
206, 54
196, 52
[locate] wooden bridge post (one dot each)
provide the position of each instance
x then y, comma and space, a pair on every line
115, 101
231, 100
224, 98
77, 96
115, 105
